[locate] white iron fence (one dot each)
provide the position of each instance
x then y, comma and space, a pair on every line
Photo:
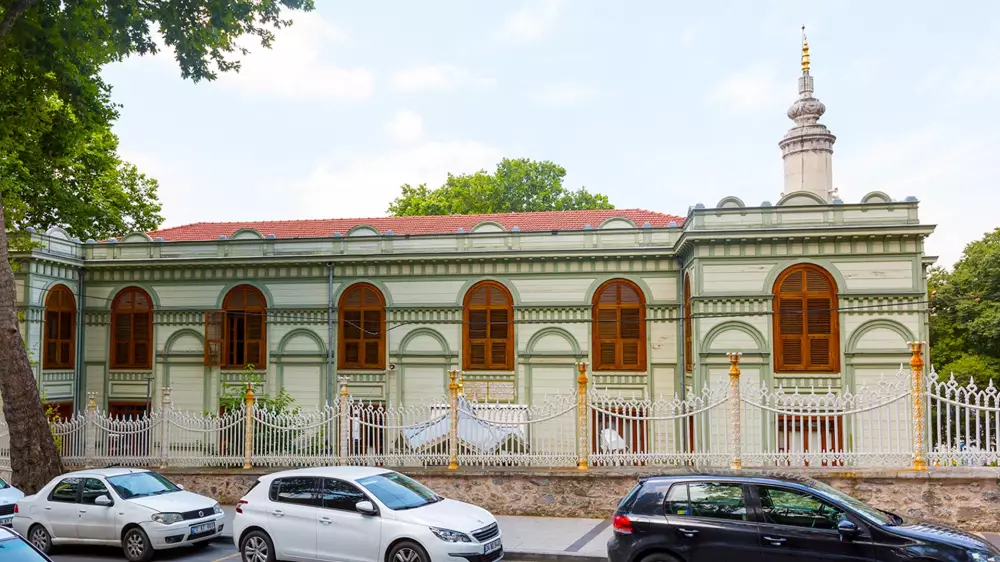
901, 421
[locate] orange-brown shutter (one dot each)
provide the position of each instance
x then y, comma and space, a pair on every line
791, 332
215, 321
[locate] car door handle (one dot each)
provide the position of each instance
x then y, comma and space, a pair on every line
775, 541
689, 533
278, 513
325, 520
83, 511
47, 508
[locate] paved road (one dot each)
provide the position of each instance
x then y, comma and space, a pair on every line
215, 552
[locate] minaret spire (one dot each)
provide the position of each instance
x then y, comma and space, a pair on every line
807, 148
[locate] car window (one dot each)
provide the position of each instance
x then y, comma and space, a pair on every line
65, 491
650, 499
93, 489
298, 490
798, 509
708, 500
3, 484
337, 494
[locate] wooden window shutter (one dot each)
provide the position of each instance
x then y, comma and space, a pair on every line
488, 329
806, 329
59, 336
619, 327
215, 334
362, 328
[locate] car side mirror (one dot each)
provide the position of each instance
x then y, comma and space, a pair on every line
103, 500
366, 508
848, 530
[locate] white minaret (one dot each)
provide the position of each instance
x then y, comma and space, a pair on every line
807, 149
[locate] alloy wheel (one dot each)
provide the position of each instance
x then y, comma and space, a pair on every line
255, 550
406, 555
134, 546
40, 539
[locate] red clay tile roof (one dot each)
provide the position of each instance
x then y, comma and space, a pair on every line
526, 222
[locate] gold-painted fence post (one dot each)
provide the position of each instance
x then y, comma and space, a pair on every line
453, 388
248, 433
90, 431
166, 409
735, 407
917, 397
344, 405
582, 441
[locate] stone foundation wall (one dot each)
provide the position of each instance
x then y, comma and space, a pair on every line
967, 498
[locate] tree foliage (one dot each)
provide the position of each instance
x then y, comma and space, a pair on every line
965, 323
517, 186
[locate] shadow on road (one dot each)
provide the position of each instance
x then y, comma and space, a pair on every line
209, 553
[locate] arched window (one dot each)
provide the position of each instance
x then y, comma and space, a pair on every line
362, 328
243, 326
619, 327
132, 330
688, 327
60, 329
488, 328
806, 332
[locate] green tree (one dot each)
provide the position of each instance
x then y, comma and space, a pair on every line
517, 186
965, 319
58, 157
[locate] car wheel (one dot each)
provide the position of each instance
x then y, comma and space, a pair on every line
136, 545
40, 538
659, 557
256, 546
408, 552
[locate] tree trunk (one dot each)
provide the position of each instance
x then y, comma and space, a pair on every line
11, 16
33, 454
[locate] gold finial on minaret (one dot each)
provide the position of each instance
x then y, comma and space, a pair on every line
805, 52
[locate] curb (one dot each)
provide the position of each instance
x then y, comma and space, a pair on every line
551, 556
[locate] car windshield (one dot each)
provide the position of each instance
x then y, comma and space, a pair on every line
141, 484
868, 512
399, 492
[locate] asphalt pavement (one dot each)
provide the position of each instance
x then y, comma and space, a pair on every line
213, 552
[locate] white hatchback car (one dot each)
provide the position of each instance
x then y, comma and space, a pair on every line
359, 514
8, 498
138, 509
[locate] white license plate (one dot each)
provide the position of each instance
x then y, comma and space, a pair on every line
491, 546
203, 528
6, 521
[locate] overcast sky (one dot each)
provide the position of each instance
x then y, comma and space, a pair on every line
660, 105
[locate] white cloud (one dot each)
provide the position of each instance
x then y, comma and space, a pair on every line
752, 89
688, 35
566, 94
947, 170
532, 21
436, 77
364, 185
298, 65
406, 127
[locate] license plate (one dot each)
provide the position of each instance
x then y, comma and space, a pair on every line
203, 528
491, 546
6, 521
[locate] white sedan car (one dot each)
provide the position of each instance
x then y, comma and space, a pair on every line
8, 497
359, 514
138, 509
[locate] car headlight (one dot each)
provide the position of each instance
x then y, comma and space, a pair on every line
216, 509
448, 535
168, 518
978, 556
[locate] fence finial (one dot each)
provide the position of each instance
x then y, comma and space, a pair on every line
735, 403
92, 401
582, 458
917, 397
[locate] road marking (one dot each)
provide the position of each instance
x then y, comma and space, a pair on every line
591, 535
230, 557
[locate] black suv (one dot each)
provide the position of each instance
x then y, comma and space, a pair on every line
739, 518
